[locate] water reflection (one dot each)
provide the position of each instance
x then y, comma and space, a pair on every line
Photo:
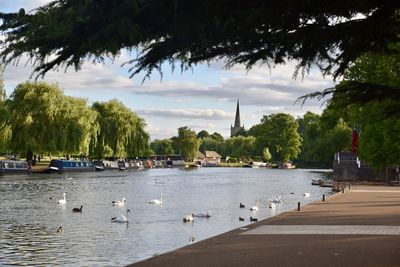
30, 217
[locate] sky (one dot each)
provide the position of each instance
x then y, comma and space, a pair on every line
203, 98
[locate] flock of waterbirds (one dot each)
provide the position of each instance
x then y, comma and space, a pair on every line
124, 219
272, 205
186, 218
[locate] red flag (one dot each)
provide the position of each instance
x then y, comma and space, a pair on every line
354, 142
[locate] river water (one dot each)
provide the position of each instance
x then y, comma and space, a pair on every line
30, 216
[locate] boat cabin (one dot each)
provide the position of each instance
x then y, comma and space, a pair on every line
61, 166
13, 166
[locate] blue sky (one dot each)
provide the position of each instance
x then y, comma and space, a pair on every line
202, 98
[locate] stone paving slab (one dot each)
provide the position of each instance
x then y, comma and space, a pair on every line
324, 230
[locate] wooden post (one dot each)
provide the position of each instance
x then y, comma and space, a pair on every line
323, 197
298, 206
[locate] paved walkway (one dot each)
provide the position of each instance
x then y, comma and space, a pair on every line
358, 228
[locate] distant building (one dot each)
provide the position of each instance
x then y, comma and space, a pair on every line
236, 127
212, 158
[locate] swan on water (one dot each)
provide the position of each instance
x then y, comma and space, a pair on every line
77, 209
188, 218
121, 218
157, 201
254, 208
276, 200
62, 201
202, 215
271, 205
119, 203
307, 194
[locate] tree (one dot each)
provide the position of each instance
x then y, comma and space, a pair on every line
217, 136
162, 147
240, 146
279, 133
121, 131
43, 120
202, 134
266, 154
66, 32
376, 119
5, 128
212, 144
188, 143
35, 111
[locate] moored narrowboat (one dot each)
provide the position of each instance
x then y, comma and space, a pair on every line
13, 166
62, 165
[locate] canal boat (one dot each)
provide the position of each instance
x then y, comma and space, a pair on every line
98, 165
13, 166
62, 165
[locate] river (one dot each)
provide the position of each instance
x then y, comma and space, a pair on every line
30, 216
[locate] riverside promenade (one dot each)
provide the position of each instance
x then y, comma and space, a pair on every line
360, 227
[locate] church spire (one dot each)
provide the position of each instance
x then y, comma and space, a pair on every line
237, 117
236, 127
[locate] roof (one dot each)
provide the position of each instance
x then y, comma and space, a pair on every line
212, 154
200, 155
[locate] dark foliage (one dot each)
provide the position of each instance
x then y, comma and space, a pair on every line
330, 34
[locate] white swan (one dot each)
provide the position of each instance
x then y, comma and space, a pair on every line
156, 201
272, 206
307, 194
62, 201
202, 215
121, 218
254, 208
119, 203
276, 200
188, 218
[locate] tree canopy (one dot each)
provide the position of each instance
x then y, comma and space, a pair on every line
332, 35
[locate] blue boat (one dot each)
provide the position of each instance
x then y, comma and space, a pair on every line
62, 165
13, 166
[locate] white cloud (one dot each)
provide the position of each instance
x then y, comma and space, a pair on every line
203, 114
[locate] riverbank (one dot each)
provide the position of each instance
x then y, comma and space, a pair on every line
360, 227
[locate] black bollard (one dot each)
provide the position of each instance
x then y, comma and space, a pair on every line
323, 197
349, 186
343, 190
298, 206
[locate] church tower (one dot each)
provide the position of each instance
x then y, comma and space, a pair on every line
236, 127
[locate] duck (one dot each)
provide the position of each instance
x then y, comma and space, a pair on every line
157, 201
271, 205
62, 201
241, 205
241, 218
119, 203
254, 208
188, 218
121, 218
77, 209
202, 215
307, 194
253, 219
60, 230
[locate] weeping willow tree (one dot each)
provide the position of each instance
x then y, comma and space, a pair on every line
121, 132
78, 125
5, 128
44, 120
34, 109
